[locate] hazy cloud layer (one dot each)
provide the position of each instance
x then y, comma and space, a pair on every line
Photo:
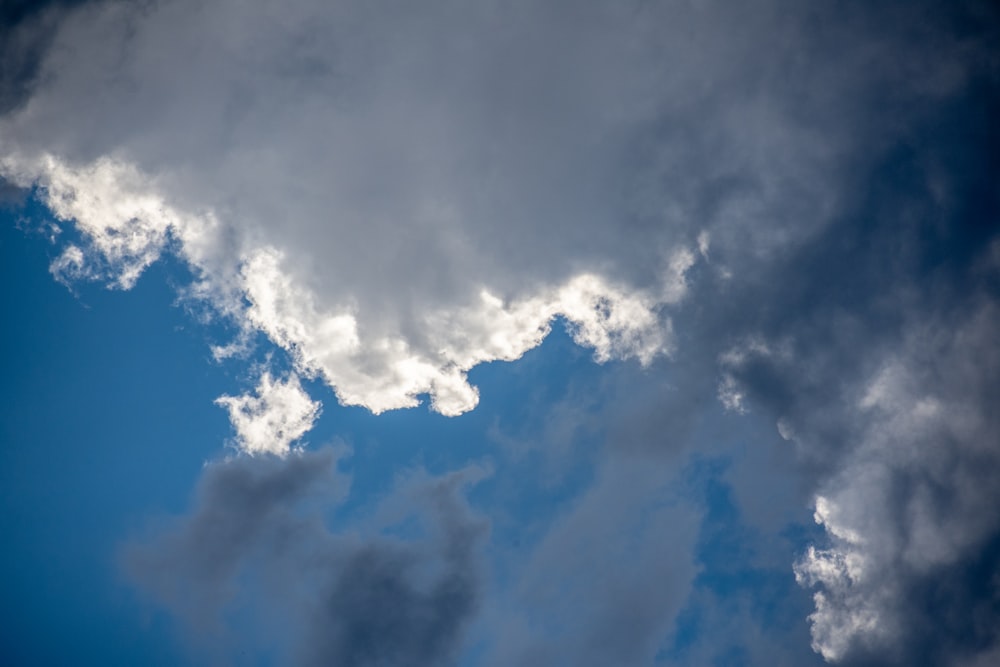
607, 580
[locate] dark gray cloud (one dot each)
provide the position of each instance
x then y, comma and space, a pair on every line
874, 347
26, 30
256, 569
385, 609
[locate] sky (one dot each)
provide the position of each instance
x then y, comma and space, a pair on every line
493, 332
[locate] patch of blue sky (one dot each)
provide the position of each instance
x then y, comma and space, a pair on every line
106, 417
742, 591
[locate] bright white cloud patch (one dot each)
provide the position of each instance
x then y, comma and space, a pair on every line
376, 365
417, 211
389, 371
273, 418
847, 609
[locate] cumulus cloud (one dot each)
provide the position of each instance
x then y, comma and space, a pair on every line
447, 181
274, 417
390, 265
128, 227
258, 539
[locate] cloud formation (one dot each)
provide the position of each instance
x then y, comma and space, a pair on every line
883, 379
278, 414
796, 201
390, 266
915, 501
447, 181
258, 541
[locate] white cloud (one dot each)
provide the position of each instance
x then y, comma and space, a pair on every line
704, 243
128, 225
395, 198
124, 222
271, 419
381, 228
785, 429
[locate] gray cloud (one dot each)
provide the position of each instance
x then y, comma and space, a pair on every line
911, 507
256, 557
26, 30
873, 348
384, 610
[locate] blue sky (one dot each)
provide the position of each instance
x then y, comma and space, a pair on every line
499, 334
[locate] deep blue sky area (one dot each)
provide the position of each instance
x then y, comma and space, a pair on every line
107, 417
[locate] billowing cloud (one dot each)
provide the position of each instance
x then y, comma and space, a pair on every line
448, 181
389, 267
274, 417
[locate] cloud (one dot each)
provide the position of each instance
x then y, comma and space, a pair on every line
914, 503
256, 556
128, 227
875, 357
26, 29
390, 267
447, 181
431, 205
277, 415
240, 505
